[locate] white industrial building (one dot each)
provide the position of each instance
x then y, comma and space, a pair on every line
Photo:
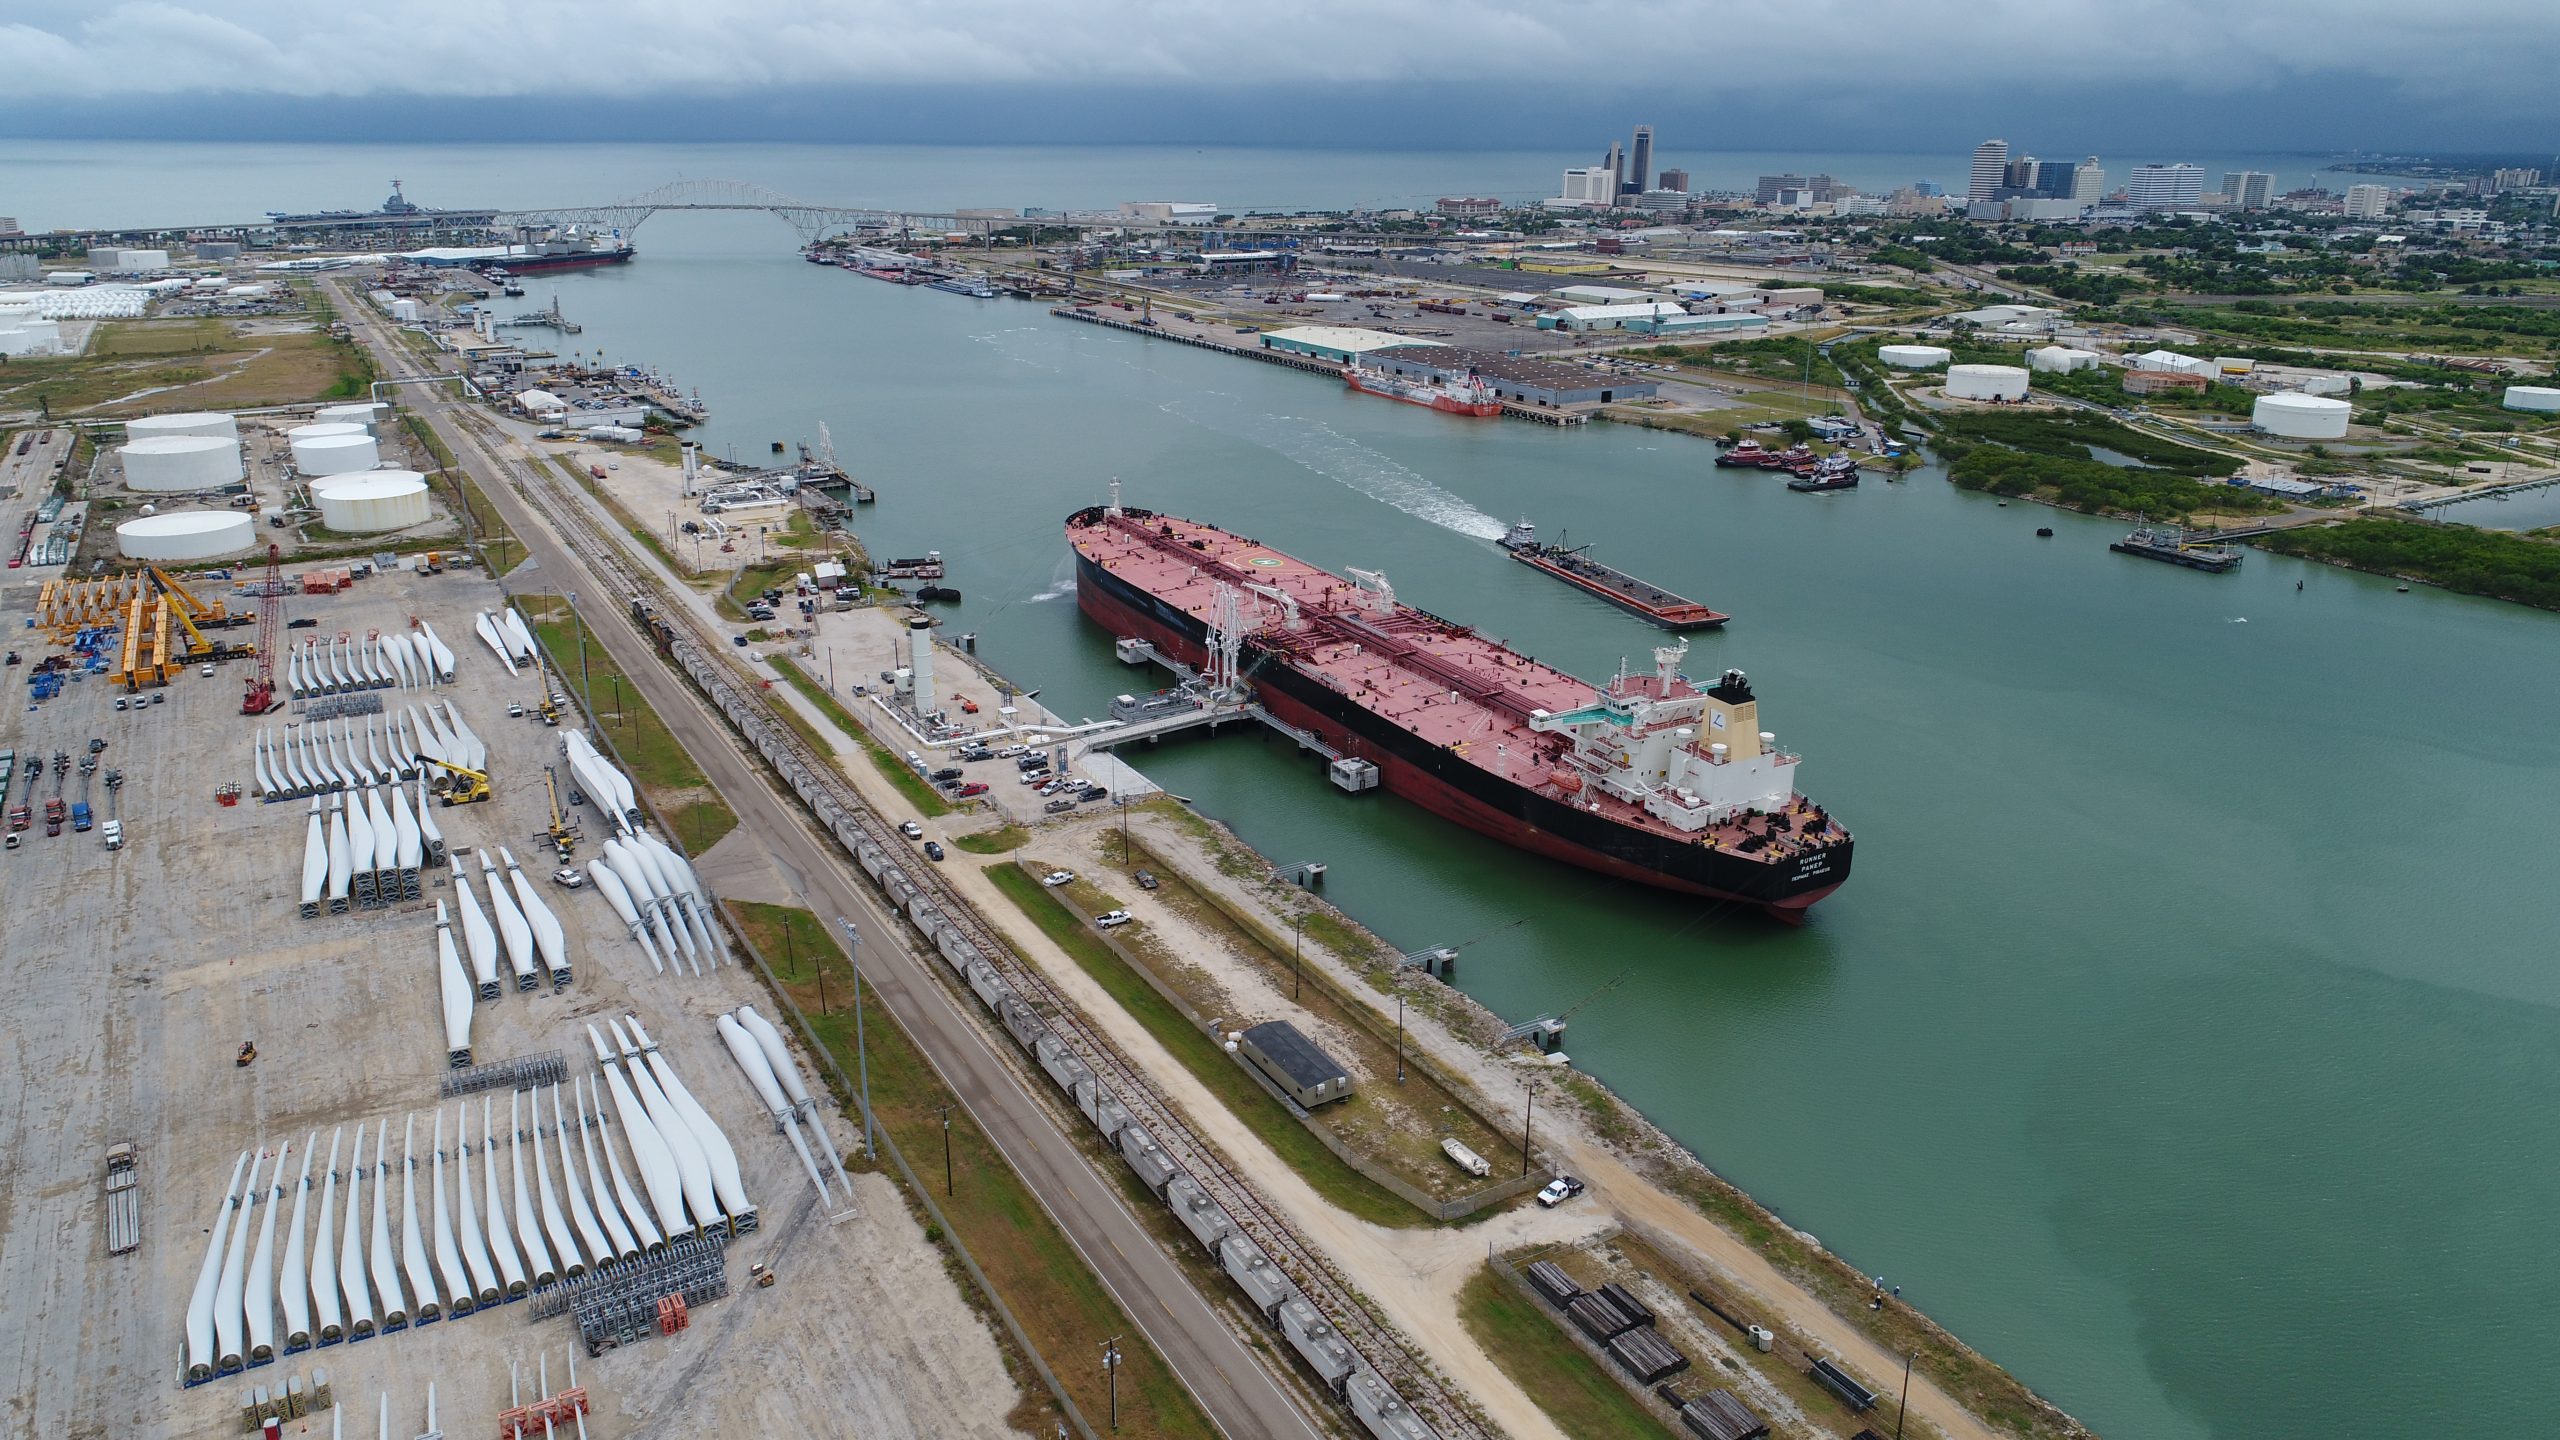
338, 454
542, 404
1169, 212
1914, 357
372, 502
2294, 416
1603, 295
186, 537
2173, 363
2062, 359
1986, 382
174, 464
2541, 399
1610, 317
27, 335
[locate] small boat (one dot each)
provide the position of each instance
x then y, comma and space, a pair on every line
1835, 472
2044, 532
2169, 543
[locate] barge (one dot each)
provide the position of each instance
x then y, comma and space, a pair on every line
1642, 599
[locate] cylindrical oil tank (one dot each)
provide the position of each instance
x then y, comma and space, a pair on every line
367, 413
1914, 357
201, 422
189, 535
2301, 417
383, 500
1986, 382
339, 454
2533, 397
181, 462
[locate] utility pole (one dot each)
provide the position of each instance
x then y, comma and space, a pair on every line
861, 1054
946, 1151
1532, 1087
1297, 942
1399, 1026
1904, 1409
586, 690
1111, 1369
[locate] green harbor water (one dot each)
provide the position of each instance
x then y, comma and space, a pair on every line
2185, 1036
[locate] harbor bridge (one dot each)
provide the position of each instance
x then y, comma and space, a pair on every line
808, 219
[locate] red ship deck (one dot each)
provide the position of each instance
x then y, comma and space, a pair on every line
1435, 679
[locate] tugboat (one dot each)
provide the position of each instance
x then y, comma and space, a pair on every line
1832, 472
1642, 599
2168, 542
1745, 456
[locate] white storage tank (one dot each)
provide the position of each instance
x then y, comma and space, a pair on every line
181, 462
382, 500
367, 413
319, 428
1915, 357
338, 454
1986, 382
2301, 417
189, 535
2061, 359
2540, 398
201, 422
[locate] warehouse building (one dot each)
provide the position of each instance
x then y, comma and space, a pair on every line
1338, 343
1520, 379
1642, 315
1291, 1061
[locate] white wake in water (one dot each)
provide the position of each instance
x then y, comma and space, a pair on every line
1319, 447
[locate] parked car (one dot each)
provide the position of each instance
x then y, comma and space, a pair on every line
568, 877
1559, 1190
1147, 880
948, 772
911, 829
1112, 919
1032, 762
1059, 806
1094, 792
933, 849
972, 788
1056, 878
1010, 751
1037, 777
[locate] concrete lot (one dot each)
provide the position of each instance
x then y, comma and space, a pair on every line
135, 976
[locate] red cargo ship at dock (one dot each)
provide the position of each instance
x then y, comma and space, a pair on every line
1650, 778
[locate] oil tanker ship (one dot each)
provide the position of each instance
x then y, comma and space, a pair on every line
1469, 398
1649, 778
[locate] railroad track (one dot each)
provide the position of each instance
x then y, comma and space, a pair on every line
830, 797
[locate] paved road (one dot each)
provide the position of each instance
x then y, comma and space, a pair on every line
1239, 1395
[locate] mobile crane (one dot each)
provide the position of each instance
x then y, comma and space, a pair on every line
465, 787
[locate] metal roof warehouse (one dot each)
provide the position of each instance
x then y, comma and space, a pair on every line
1520, 378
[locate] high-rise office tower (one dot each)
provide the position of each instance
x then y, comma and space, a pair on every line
2248, 189
1616, 165
1990, 169
2165, 187
2088, 181
1675, 180
1642, 160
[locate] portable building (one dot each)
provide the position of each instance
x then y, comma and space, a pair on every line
1294, 1063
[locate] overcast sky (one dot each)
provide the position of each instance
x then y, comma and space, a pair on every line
2235, 75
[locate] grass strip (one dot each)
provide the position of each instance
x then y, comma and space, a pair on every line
1566, 1383
1201, 1055
657, 761
994, 842
918, 791
1059, 1302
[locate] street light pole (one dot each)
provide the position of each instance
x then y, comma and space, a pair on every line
1399, 1027
1111, 1369
946, 1151
861, 1053
1297, 942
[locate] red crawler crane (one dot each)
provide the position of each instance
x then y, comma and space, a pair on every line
261, 695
